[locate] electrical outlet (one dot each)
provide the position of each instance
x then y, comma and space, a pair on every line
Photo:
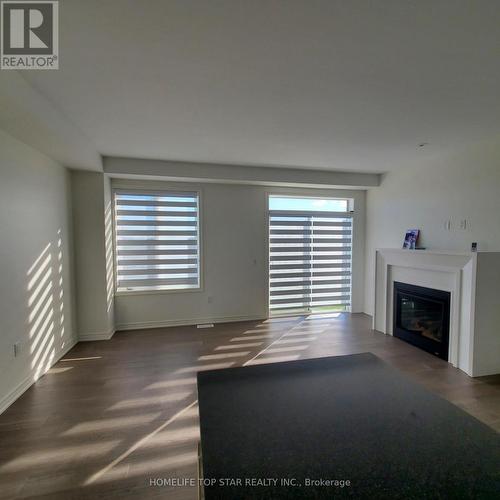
210, 299
17, 349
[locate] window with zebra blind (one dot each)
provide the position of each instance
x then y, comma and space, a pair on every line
157, 240
310, 248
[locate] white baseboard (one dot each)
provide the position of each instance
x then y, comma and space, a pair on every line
90, 337
21, 388
186, 322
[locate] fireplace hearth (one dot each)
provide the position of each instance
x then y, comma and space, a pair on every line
422, 317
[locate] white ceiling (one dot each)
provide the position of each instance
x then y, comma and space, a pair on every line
334, 84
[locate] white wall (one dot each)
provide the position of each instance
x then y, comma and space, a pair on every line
109, 255
234, 256
93, 262
457, 187
486, 348
36, 297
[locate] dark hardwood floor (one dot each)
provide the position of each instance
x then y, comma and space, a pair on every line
114, 416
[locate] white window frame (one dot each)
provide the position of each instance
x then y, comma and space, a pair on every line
156, 191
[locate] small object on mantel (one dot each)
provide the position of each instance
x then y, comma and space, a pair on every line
411, 238
421, 248
474, 247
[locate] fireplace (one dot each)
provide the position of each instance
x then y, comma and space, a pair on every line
422, 317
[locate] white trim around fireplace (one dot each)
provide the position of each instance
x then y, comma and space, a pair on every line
474, 344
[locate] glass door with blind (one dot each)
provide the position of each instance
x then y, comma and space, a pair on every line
310, 248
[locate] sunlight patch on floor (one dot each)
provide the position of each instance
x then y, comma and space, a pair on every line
149, 401
200, 368
111, 424
238, 346
59, 455
226, 355
166, 384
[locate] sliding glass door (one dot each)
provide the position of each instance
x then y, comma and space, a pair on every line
310, 243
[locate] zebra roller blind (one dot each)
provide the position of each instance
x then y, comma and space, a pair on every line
157, 240
310, 260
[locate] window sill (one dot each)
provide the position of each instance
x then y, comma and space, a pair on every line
125, 293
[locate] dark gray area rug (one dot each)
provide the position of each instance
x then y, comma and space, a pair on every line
282, 430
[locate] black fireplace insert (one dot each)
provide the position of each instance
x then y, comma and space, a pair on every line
422, 317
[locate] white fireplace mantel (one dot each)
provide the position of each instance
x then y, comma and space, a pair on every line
473, 279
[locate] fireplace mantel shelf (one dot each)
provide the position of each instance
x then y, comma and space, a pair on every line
428, 251
472, 279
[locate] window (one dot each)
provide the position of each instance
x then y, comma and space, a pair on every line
157, 240
310, 244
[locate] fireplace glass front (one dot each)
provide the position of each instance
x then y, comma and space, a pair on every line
422, 317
